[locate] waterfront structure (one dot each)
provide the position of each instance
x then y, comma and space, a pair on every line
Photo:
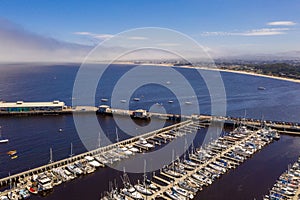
104, 109
140, 113
21, 106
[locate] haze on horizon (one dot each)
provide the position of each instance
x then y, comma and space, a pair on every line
61, 31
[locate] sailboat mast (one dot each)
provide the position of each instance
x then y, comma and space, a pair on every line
173, 160
51, 159
99, 141
185, 148
117, 135
10, 185
71, 154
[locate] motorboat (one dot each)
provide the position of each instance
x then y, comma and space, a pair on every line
92, 161
2, 141
174, 196
261, 88
143, 142
142, 189
182, 192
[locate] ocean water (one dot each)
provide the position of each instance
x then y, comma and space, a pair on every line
33, 136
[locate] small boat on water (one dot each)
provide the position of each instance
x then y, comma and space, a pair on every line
261, 88
123, 101
12, 152
2, 141
32, 190
104, 100
173, 195
24, 194
188, 103
170, 101
136, 99
142, 189
13, 157
143, 142
183, 192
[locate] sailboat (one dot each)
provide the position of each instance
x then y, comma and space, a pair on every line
128, 189
2, 141
142, 188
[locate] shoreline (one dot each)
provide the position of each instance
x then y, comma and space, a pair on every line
223, 70
213, 69
252, 74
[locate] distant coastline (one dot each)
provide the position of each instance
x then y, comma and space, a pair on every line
252, 74
216, 69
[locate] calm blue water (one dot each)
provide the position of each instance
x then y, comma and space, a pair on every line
32, 136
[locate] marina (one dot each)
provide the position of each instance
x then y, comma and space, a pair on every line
96, 158
288, 184
200, 169
184, 177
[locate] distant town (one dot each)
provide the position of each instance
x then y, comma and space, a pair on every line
278, 68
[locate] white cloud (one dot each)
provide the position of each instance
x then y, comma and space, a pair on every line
265, 32
82, 33
95, 35
106, 36
254, 32
137, 38
217, 33
168, 44
103, 36
281, 23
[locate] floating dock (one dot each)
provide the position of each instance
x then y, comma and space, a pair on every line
99, 151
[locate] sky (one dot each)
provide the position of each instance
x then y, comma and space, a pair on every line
58, 30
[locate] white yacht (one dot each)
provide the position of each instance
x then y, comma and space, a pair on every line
143, 142
183, 192
44, 183
4, 141
1, 139
142, 189
92, 161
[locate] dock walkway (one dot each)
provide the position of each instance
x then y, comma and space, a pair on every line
189, 173
99, 151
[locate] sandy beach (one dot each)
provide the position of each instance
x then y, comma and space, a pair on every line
252, 74
212, 69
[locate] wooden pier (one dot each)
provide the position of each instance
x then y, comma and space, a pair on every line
200, 166
99, 151
207, 120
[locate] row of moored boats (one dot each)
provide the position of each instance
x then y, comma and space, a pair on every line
288, 184
184, 177
44, 182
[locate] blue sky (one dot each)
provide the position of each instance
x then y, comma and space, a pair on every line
256, 26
